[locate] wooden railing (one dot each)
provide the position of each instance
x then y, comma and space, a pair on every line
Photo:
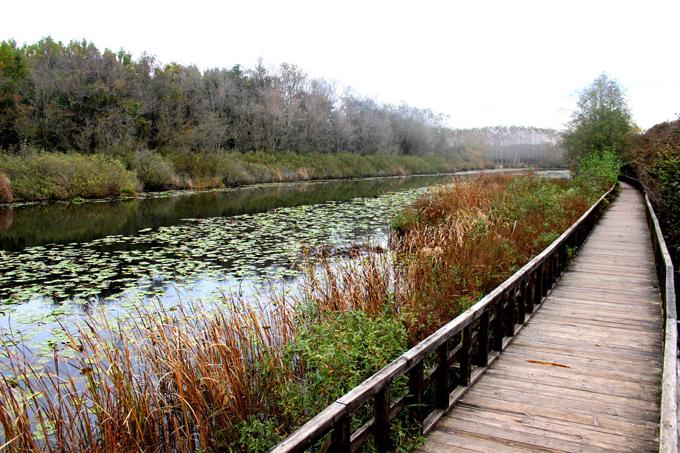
668, 432
441, 368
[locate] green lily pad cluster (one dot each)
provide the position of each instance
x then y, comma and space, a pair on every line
43, 286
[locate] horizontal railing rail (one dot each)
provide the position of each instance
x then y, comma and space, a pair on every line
441, 368
668, 423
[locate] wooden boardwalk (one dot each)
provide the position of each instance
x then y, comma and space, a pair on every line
585, 373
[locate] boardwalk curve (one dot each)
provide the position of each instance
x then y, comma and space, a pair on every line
585, 373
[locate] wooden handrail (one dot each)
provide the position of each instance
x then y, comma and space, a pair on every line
668, 423
485, 328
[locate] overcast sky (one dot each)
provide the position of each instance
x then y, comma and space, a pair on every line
482, 63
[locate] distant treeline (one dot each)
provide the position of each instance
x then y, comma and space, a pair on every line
512, 146
73, 97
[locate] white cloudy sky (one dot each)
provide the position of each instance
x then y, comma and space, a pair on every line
479, 62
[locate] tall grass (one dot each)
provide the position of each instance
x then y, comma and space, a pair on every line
220, 168
36, 175
59, 176
220, 376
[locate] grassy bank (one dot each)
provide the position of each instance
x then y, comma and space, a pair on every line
61, 176
220, 377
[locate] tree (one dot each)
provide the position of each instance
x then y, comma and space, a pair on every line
602, 120
12, 76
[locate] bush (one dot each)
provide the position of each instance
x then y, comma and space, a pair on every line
6, 194
59, 176
209, 169
655, 158
597, 171
154, 171
340, 352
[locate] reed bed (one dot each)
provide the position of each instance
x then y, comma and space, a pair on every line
222, 377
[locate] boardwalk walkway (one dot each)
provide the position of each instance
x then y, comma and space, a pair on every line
585, 373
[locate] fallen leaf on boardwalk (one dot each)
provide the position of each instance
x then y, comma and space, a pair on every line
538, 362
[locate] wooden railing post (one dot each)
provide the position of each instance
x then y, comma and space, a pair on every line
545, 274
538, 286
551, 271
509, 303
466, 356
531, 284
416, 390
341, 435
442, 380
522, 301
381, 412
482, 358
498, 325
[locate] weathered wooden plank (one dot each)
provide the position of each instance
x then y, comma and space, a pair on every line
586, 392
557, 403
614, 387
643, 280
643, 312
536, 438
433, 446
599, 338
578, 362
610, 423
563, 317
587, 317
613, 344
461, 439
624, 352
641, 360
601, 296
548, 427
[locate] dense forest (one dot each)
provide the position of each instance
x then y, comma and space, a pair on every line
74, 97
71, 109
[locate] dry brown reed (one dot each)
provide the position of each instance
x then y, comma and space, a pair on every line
6, 194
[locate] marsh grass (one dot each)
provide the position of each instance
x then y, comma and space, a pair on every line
38, 175
225, 377
60, 176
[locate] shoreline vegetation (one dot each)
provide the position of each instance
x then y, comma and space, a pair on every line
232, 376
654, 158
40, 176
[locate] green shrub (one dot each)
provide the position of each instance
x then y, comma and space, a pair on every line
257, 435
598, 171
154, 171
59, 176
655, 159
205, 169
338, 354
